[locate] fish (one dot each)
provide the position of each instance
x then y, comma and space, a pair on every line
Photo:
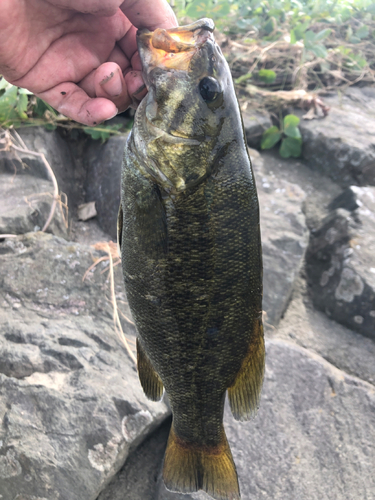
189, 237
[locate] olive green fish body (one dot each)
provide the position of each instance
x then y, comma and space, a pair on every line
191, 257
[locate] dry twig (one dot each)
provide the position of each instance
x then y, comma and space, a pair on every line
15, 144
112, 253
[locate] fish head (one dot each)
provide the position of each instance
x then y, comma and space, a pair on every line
190, 96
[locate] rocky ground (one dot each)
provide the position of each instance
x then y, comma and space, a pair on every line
75, 424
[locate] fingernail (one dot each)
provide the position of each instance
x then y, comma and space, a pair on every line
112, 84
135, 99
110, 118
141, 89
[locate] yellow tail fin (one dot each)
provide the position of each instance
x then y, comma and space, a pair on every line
189, 468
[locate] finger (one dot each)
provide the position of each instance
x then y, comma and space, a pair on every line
124, 90
111, 84
117, 56
143, 14
128, 44
136, 87
72, 101
116, 60
97, 7
72, 57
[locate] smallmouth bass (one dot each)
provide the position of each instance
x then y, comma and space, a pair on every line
191, 253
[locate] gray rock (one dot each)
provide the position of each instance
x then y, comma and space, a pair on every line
25, 205
138, 479
61, 155
255, 123
340, 261
71, 406
284, 238
103, 181
85, 169
342, 145
309, 440
312, 329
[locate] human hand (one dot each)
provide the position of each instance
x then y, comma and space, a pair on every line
80, 56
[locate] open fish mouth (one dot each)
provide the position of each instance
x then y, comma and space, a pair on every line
173, 48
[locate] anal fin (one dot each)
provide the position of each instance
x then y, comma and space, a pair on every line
150, 380
244, 394
189, 467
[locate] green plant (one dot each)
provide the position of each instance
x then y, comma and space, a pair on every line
312, 41
13, 103
314, 28
19, 107
289, 134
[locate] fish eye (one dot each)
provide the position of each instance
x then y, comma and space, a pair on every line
209, 89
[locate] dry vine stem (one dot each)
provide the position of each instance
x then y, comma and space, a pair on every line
9, 144
111, 249
282, 99
299, 68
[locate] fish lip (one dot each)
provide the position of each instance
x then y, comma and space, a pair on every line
156, 48
205, 24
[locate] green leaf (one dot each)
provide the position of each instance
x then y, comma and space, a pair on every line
346, 14
4, 84
198, 8
318, 50
243, 24
270, 26
298, 31
360, 61
39, 108
8, 103
221, 8
97, 133
50, 126
309, 37
22, 106
103, 132
291, 121
310, 40
290, 124
267, 75
51, 109
293, 132
290, 147
322, 34
270, 137
362, 32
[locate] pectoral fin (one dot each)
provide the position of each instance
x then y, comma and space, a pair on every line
150, 380
244, 394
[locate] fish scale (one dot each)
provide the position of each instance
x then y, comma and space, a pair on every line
191, 255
